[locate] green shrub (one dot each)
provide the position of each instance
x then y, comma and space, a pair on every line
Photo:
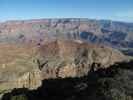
19, 97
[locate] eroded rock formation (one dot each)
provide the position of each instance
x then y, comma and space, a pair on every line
33, 50
75, 59
27, 65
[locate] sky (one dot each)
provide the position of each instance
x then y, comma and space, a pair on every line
117, 10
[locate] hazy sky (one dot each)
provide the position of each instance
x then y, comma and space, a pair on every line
121, 10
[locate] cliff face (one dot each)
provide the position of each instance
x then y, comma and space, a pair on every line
17, 67
73, 59
114, 34
26, 65
33, 50
31, 80
113, 83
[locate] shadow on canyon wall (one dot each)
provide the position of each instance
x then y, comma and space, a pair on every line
113, 83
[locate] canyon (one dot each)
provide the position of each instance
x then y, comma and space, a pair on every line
32, 51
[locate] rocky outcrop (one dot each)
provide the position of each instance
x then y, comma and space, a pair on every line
31, 80
26, 65
33, 50
60, 59
113, 83
17, 66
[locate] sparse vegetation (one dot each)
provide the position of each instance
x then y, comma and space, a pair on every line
19, 97
114, 83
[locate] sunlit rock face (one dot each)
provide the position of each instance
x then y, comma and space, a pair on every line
17, 68
60, 59
26, 65
33, 50
31, 80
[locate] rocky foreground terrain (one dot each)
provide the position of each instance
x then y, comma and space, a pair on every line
47, 58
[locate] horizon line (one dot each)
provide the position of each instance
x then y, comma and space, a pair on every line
48, 18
